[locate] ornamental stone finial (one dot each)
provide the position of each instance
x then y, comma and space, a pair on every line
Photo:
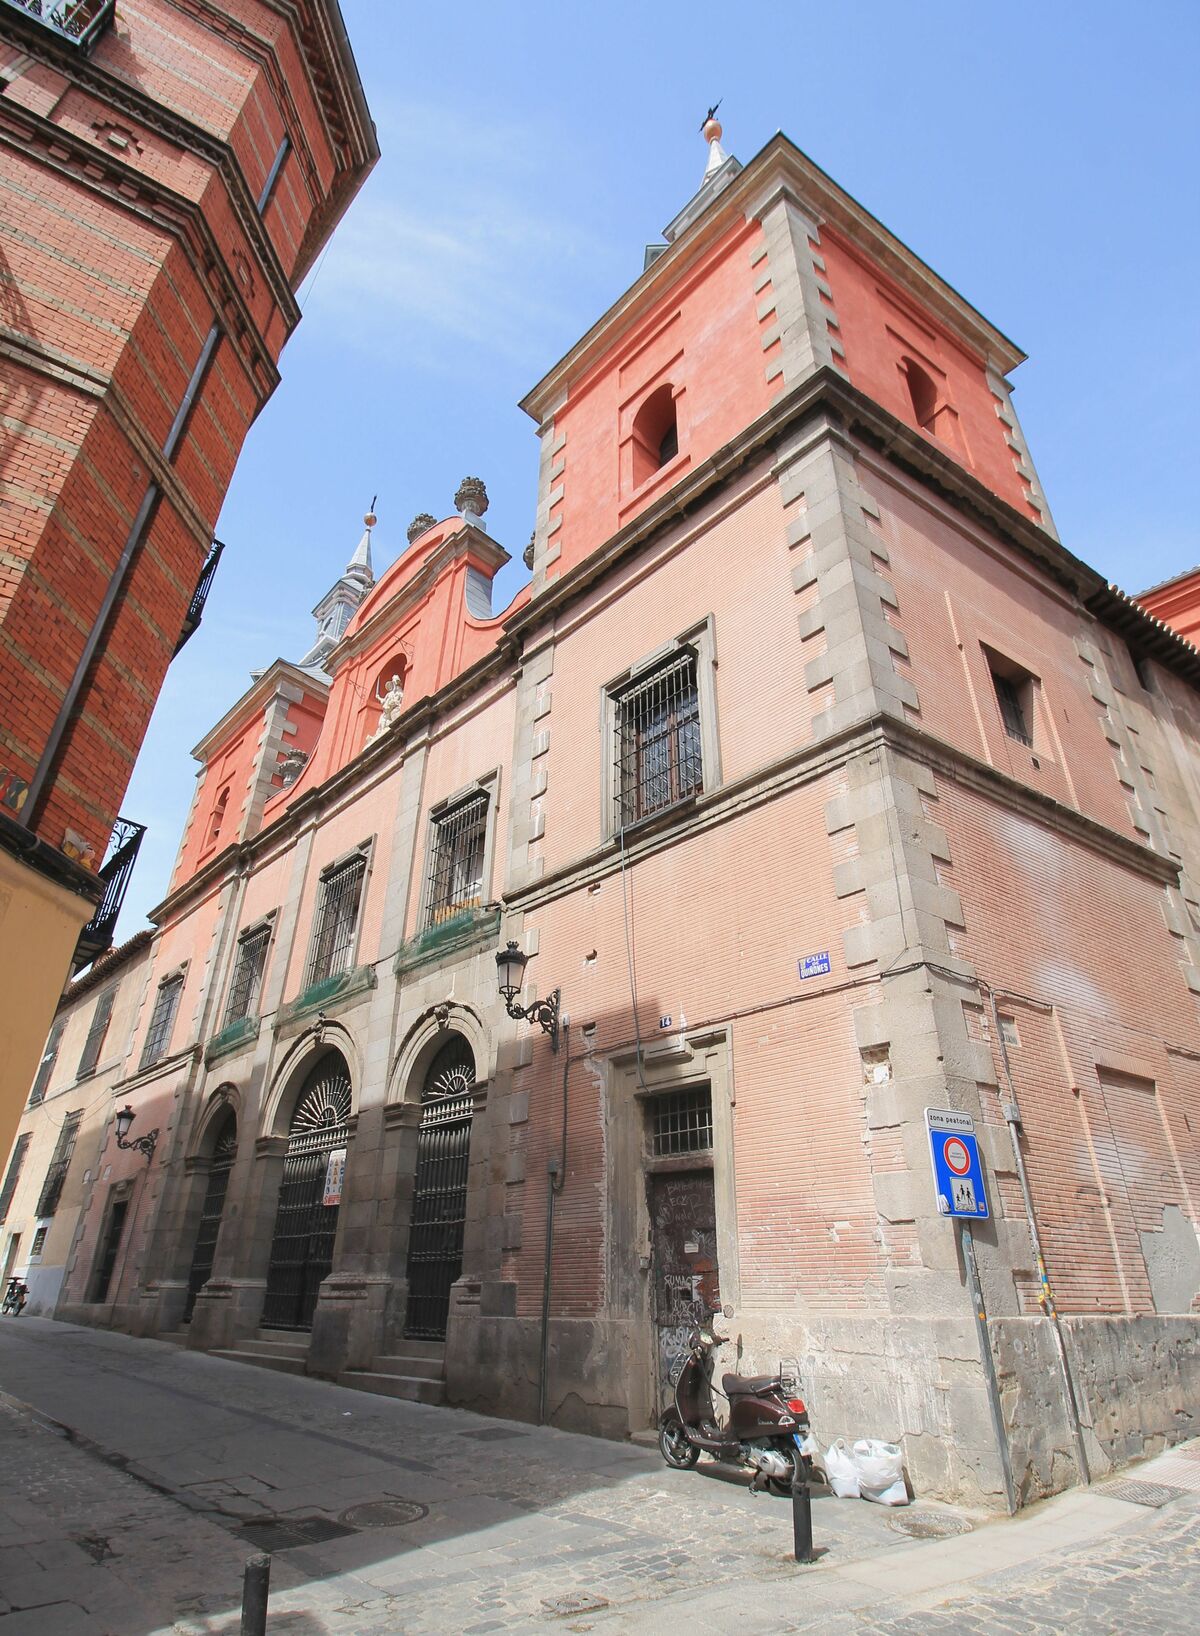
472, 498
527, 554
421, 524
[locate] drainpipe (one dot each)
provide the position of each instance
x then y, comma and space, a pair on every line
1012, 1118
556, 1180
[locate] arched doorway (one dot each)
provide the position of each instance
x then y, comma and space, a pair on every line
305, 1225
439, 1206
223, 1154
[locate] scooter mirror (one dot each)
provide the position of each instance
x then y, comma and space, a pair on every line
727, 1310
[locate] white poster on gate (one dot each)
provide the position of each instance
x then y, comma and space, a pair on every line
335, 1175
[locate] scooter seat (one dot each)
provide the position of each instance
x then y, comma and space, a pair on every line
739, 1385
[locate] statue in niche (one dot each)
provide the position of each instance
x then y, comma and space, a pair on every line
393, 699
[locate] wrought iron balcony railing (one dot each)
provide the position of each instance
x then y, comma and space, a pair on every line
97, 936
80, 22
200, 594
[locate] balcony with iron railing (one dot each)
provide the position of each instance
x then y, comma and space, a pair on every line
200, 595
75, 22
97, 936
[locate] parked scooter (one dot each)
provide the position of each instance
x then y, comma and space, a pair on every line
15, 1297
765, 1431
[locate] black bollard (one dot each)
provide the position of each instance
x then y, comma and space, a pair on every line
802, 1521
255, 1589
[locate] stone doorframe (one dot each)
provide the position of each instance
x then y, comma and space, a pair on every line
685, 1062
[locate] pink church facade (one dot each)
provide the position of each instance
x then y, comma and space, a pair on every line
826, 786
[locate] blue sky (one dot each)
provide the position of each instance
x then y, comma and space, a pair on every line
1041, 157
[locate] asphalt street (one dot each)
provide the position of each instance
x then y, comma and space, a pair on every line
137, 1478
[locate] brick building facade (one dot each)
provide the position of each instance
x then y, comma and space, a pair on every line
170, 170
827, 786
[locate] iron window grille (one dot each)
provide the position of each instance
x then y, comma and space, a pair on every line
247, 973
46, 1066
39, 1242
60, 1163
1012, 709
658, 753
162, 1020
682, 1122
96, 1033
456, 865
13, 1175
337, 918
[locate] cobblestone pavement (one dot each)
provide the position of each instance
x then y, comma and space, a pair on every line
131, 1497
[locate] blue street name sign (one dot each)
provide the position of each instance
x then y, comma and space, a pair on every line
957, 1173
814, 965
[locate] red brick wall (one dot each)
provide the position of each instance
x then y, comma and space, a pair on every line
120, 244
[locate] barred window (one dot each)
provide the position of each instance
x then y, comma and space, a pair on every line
96, 1033
46, 1066
456, 863
60, 1163
13, 1175
247, 973
658, 754
162, 1020
681, 1122
337, 917
39, 1242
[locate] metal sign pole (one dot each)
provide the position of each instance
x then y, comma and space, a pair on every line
988, 1361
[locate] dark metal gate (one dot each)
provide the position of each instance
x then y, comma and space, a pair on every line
439, 1206
302, 1249
224, 1152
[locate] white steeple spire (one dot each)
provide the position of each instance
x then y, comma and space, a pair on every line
719, 171
338, 606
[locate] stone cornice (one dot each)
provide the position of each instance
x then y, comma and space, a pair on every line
813, 762
778, 169
255, 700
852, 413
182, 218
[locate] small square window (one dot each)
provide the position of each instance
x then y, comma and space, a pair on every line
336, 919
456, 864
162, 1020
247, 973
1014, 690
39, 1242
682, 1122
659, 755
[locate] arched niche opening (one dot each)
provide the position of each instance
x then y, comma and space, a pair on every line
655, 434
923, 394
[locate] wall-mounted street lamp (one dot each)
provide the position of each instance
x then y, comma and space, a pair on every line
510, 971
140, 1144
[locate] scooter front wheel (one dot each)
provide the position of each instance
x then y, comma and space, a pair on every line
674, 1446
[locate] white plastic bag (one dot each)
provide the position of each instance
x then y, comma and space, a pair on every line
880, 1471
841, 1473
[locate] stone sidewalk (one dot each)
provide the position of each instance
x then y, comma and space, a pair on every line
136, 1479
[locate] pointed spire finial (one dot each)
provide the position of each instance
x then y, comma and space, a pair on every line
371, 519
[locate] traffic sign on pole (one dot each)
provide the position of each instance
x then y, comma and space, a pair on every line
957, 1172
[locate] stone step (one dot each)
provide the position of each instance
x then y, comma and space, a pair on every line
412, 1388
243, 1353
270, 1340
421, 1349
407, 1363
